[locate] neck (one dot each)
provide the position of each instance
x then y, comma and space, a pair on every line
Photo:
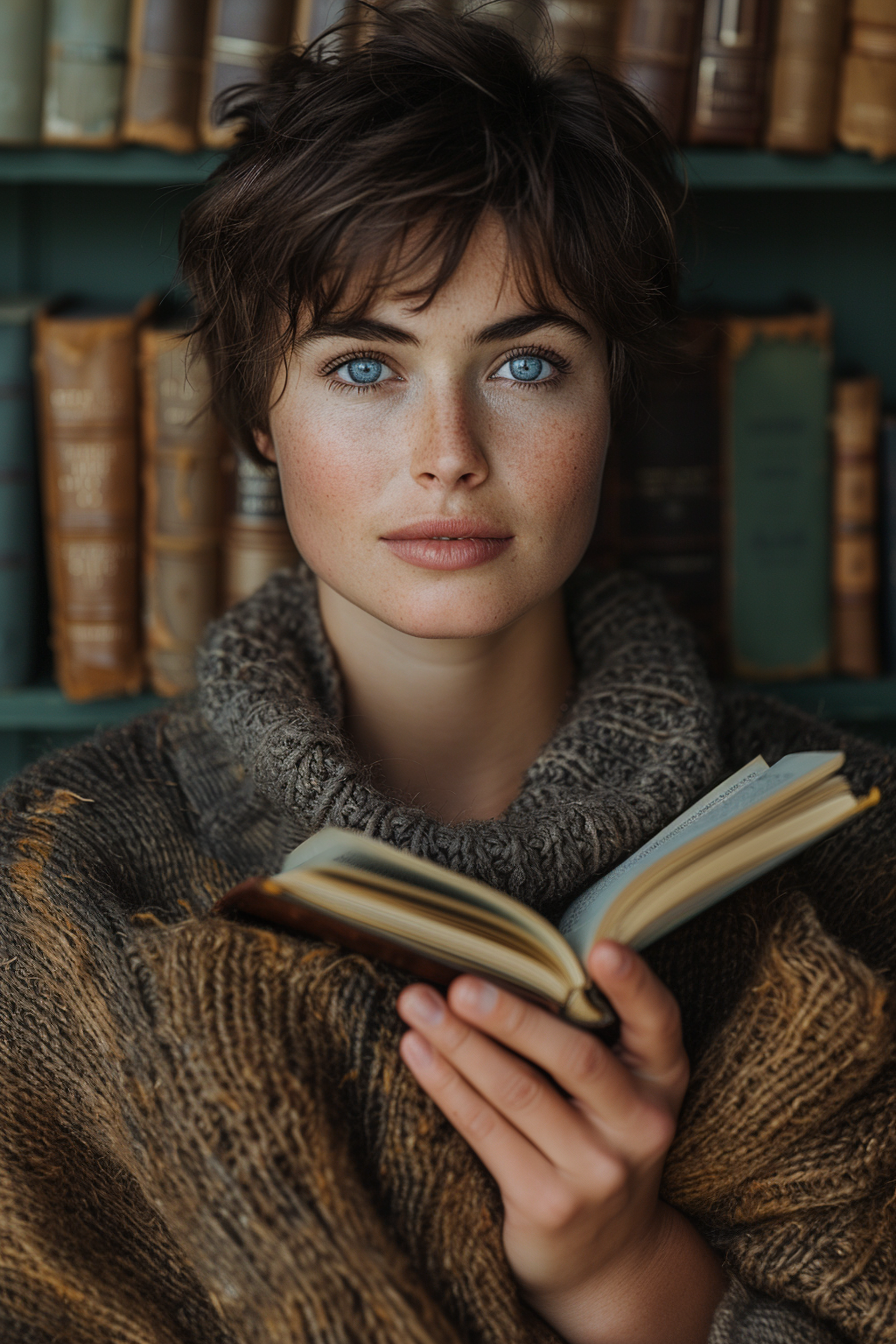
450, 725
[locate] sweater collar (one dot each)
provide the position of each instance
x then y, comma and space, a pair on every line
637, 745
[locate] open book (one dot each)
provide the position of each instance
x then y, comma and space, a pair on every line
369, 896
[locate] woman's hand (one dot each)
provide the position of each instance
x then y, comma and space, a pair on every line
592, 1247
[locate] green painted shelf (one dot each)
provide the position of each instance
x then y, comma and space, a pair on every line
707, 169
45, 709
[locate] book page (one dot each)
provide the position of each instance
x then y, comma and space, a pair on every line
754, 792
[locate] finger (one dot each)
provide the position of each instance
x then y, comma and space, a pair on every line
583, 1067
513, 1161
650, 1021
516, 1091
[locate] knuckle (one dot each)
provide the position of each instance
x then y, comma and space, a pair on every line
657, 1129
520, 1091
557, 1208
477, 1120
583, 1058
513, 1014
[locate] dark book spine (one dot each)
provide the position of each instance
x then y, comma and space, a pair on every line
586, 28
888, 539
731, 73
241, 38
21, 70
805, 75
855, 570
164, 73
654, 53
19, 529
85, 67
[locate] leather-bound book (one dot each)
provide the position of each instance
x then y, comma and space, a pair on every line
257, 540
855, 557
161, 102
21, 70
85, 67
19, 519
731, 73
805, 75
654, 53
241, 37
87, 381
585, 28
776, 404
182, 507
867, 114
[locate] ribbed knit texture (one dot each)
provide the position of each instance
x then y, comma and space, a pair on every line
206, 1134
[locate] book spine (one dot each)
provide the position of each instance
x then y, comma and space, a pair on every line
855, 572
654, 53
670, 496
19, 530
586, 28
866, 119
241, 37
21, 70
165, 48
805, 75
257, 540
85, 66
888, 538
86, 370
777, 480
182, 506
731, 73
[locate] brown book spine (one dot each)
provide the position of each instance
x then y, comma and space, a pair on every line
585, 28
182, 507
241, 38
165, 47
257, 540
654, 53
805, 75
86, 373
866, 118
85, 67
855, 552
731, 73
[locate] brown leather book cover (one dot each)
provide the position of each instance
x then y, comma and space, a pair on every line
257, 540
85, 67
654, 53
586, 28
866, 118
805, 75
855, 424
731, 73
241, 37
182, 508
165, 47
87, 397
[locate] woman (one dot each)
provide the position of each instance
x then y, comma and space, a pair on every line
423, 279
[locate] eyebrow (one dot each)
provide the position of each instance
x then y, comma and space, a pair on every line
369, 329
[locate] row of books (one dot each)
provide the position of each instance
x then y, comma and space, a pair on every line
123, 484
791, 75
760, 491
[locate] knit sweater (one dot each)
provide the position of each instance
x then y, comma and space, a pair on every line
206, 1133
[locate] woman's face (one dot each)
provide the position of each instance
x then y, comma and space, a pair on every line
442, 470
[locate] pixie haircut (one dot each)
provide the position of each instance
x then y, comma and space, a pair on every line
430, 122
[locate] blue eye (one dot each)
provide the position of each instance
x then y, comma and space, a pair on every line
527, 369
364, 370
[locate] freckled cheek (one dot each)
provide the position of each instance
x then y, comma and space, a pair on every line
327, 496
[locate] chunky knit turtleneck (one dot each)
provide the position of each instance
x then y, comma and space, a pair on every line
206, 1135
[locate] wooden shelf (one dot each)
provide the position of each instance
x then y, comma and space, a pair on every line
707, 169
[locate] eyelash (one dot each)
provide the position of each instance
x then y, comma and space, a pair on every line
561, 365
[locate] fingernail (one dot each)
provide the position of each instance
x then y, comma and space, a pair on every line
477, 995
416, 1048
425, 1005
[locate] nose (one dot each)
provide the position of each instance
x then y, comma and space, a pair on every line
447, 452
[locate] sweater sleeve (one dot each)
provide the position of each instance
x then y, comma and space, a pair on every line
744, 1317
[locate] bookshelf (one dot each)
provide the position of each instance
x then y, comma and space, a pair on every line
763, 228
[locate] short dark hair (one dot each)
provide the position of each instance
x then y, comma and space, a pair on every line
435, 119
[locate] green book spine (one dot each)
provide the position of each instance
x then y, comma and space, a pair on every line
85, 67
778, 494
19, 531
21, 70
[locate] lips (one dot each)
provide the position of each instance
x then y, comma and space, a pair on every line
448, 543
